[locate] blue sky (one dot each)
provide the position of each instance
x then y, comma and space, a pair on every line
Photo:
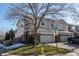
6, 25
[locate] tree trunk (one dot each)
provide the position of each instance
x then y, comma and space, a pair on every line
35, 39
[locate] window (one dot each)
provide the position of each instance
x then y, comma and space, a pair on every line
51, 25
43, 23
57, 26
21, 25
60, 27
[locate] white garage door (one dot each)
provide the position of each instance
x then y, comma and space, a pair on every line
64, 38
46, 38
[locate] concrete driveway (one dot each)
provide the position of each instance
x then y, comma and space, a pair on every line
73, 47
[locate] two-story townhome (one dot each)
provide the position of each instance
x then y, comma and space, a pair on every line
62, 28
46, 30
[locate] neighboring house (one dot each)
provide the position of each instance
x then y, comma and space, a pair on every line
71, 28
46, 29
2, 36
74, 29
77, 28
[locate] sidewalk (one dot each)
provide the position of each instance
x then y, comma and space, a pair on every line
63, 45
74, 48
74, 53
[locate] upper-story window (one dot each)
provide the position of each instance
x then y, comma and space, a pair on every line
22, 25
60, 27
26, 22
51, 25
73, 28
42, 23
57, 26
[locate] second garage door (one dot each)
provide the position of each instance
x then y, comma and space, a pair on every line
46, 38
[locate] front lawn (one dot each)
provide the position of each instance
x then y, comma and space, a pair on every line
38, 50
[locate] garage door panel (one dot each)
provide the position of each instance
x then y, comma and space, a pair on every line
64, 38
46, 38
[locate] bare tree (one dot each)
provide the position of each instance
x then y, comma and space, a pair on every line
74, 11
75, 16
36, 10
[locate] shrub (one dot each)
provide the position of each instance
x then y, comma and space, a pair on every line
29, 40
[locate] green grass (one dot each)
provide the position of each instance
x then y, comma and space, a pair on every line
37, 50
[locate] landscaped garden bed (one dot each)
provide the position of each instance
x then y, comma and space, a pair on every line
41, 49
